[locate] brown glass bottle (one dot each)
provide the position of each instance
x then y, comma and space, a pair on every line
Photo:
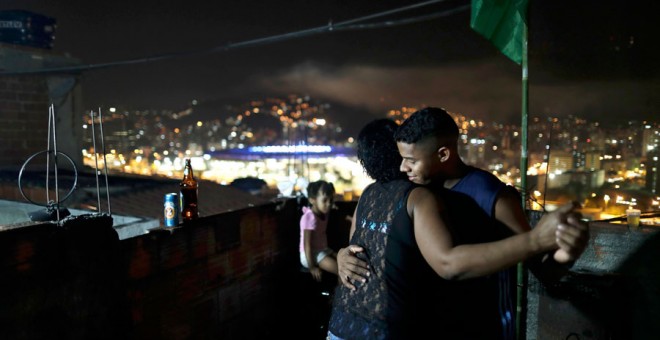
188, 194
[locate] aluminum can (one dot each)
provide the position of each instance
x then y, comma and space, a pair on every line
171, 210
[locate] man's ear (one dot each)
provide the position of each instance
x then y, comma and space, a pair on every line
444, 153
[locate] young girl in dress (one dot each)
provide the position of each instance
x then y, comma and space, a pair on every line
315, 254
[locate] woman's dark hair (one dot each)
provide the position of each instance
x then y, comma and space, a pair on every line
314, 188
377, 151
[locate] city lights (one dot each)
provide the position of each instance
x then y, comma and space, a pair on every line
578, 160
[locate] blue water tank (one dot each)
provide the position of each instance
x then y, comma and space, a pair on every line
26, 28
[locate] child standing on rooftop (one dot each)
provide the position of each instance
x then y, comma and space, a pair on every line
315, 254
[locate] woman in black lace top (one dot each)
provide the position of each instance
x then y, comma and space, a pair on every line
408, 245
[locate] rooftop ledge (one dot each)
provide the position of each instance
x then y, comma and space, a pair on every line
16, 214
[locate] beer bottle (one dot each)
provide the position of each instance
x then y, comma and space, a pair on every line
188, 194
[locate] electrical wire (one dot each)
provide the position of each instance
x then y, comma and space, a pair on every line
351, 24
407, 21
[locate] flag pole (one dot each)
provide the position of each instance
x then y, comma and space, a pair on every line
521, 314
505, 24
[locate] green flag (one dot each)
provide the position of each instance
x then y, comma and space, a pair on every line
501, 22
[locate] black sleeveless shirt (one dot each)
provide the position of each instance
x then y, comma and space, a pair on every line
395, 301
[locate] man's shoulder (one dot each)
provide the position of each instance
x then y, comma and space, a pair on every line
481, 174
482, 179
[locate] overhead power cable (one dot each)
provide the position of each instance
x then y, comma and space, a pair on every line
351, 24
407, 21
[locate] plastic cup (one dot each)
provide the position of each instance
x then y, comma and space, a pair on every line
633, 216
348, 195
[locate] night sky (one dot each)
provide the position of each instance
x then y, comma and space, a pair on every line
595, 59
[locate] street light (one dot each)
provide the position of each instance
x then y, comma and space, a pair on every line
606, 198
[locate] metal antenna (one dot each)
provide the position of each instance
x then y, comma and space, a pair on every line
96, 169
547, 159
49, 214
50, 121
51, 110
105, 164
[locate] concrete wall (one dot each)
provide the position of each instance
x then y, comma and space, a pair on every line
611, 292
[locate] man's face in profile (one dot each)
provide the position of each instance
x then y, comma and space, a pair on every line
421, 161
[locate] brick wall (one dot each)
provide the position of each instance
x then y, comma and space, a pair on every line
23, 118
219, 272
236, 276
228, 276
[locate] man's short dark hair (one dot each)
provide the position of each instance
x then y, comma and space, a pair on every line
377, 150
426, 123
